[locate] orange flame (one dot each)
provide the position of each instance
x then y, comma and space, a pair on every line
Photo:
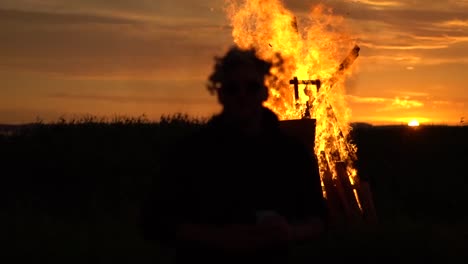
311, 47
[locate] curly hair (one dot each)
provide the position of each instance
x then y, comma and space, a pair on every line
234, 58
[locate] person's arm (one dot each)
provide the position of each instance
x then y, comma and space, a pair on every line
165, 205
159, 213
237, 237
311, 228
312, 212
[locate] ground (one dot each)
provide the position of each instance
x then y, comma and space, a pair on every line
71, 192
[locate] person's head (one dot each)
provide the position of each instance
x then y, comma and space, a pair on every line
238, 80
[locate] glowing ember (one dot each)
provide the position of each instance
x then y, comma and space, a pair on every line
311, 48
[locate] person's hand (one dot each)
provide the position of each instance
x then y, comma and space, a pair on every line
275, 229
234, 237
271, 229
311, 228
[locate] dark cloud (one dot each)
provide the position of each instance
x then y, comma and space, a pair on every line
90, 45
142, 9
134, 98
8, 16
403, 17
398, 21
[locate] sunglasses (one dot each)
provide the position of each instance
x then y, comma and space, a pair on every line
251, 87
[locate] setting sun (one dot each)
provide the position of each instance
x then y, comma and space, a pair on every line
413, 123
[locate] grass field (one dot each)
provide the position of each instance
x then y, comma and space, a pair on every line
71, 192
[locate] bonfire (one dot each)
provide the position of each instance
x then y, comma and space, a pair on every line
312, 55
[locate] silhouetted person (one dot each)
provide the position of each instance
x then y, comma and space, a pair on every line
238, 190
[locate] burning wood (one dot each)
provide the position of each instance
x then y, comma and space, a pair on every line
347, 198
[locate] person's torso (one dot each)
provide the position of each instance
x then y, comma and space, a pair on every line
231, 178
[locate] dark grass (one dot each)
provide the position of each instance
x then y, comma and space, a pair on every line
71, 191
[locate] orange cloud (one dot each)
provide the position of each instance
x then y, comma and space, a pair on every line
455, 23
387, 104
405, 103
379, 4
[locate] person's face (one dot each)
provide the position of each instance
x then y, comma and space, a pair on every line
242, 93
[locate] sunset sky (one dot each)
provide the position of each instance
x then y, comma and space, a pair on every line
119, 57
